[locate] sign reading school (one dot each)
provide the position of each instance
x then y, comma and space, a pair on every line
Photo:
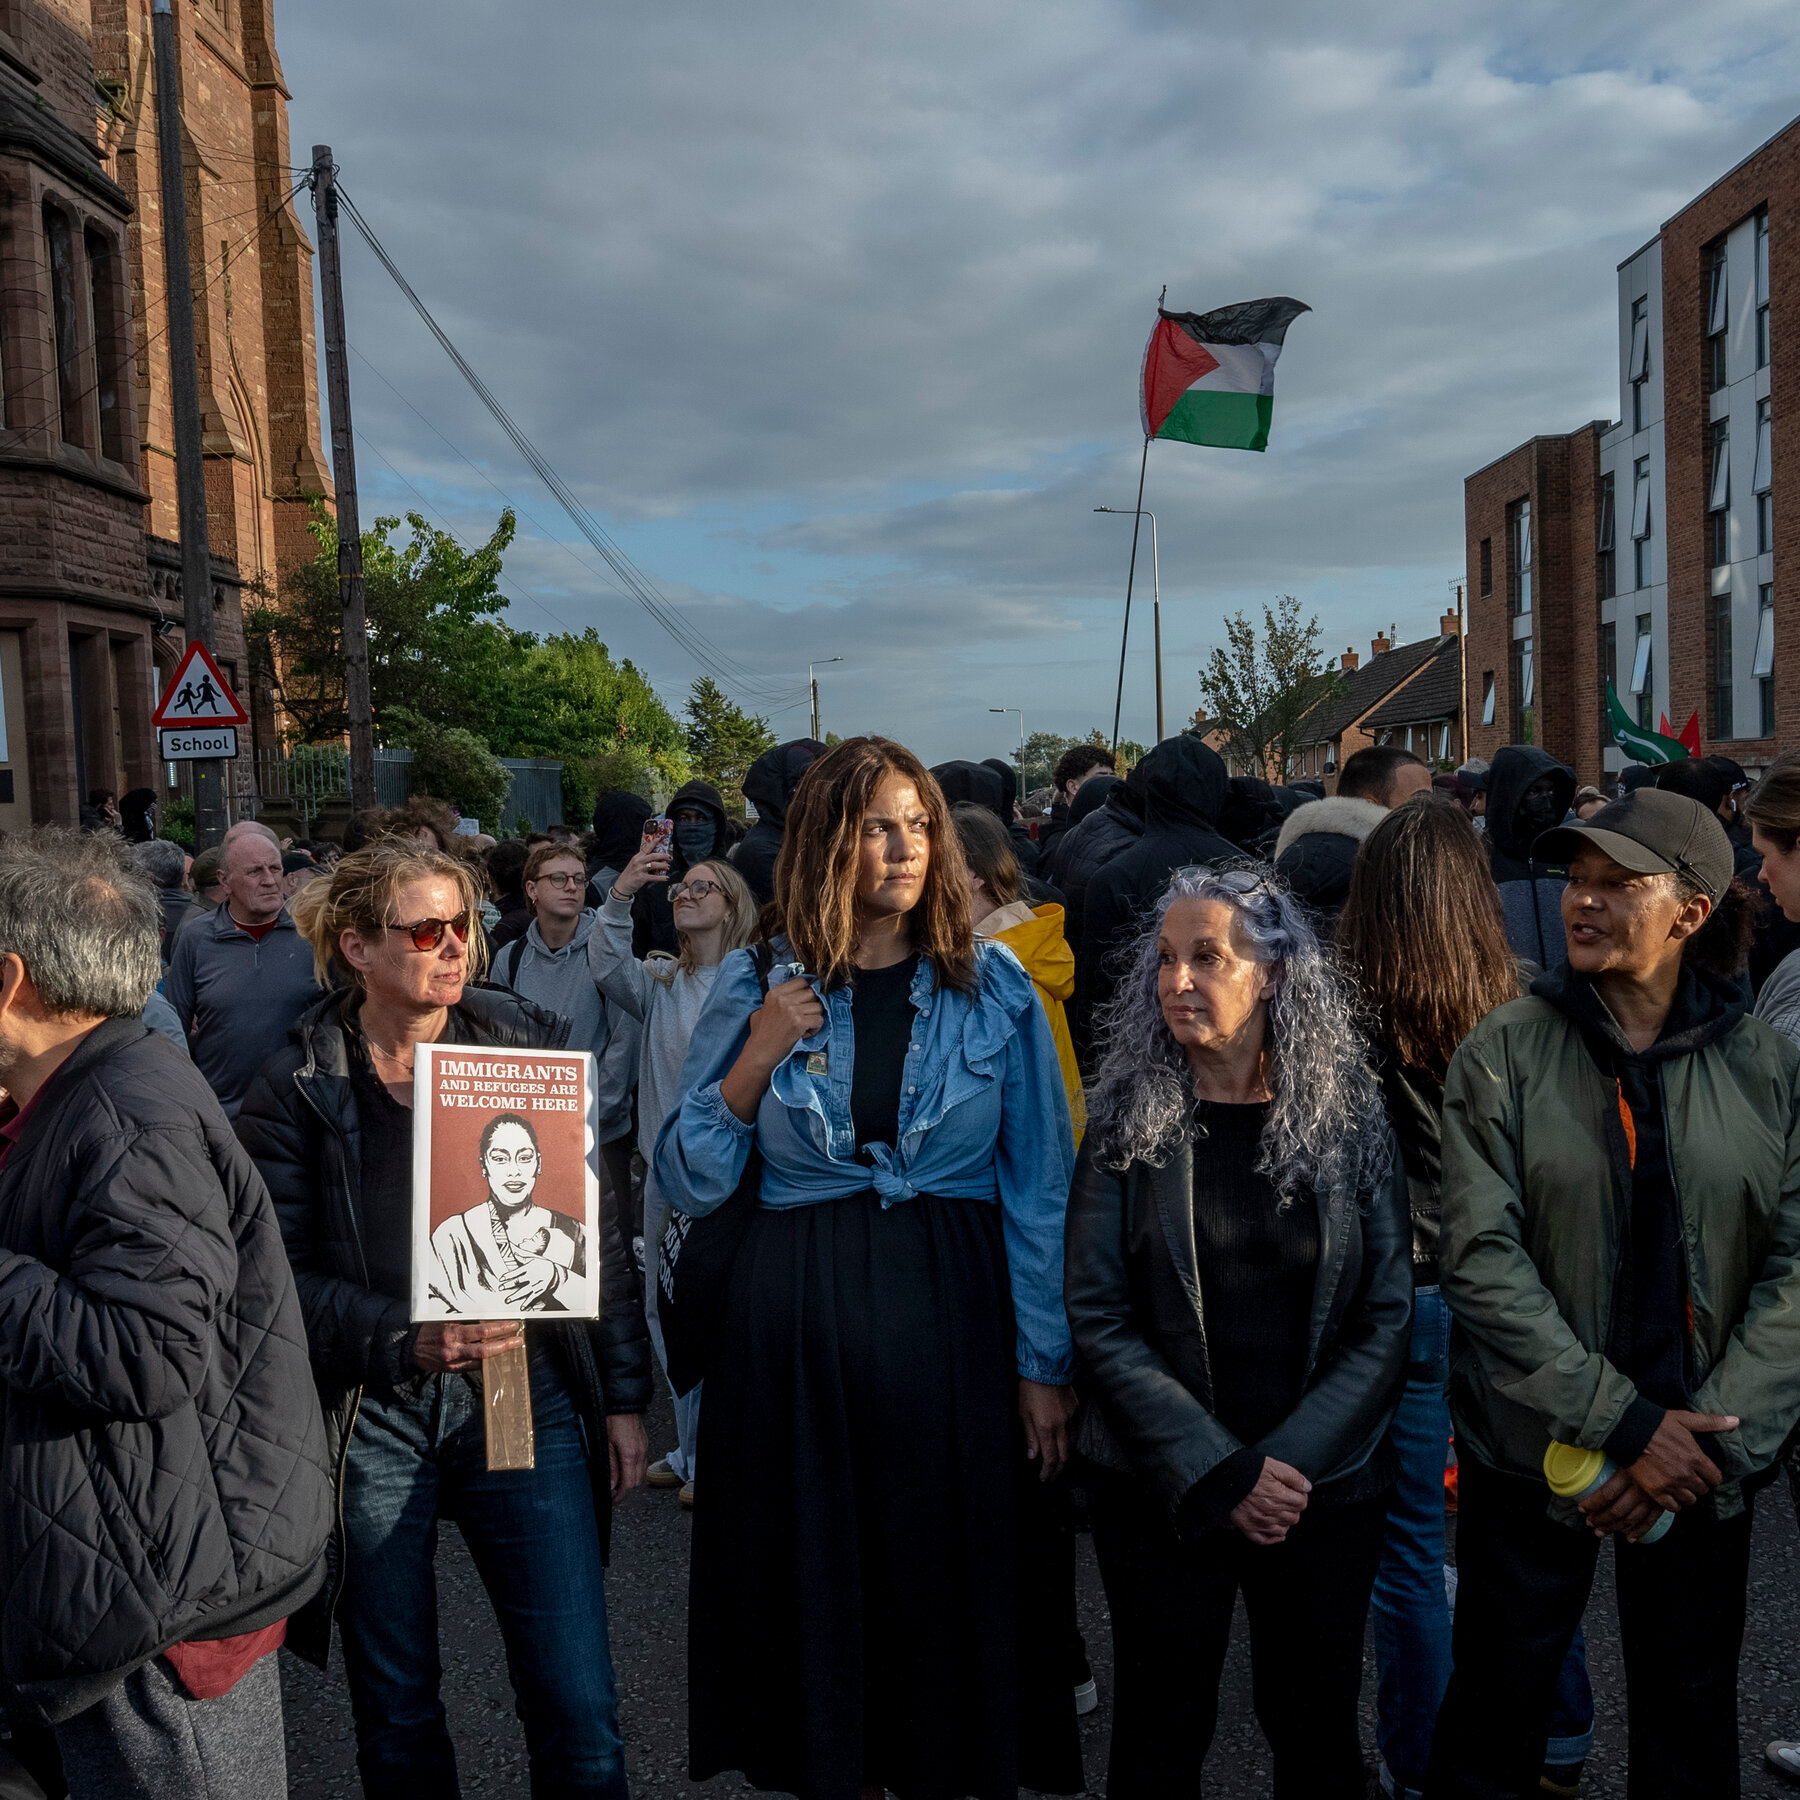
198, 715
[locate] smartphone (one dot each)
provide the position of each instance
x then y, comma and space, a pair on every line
659, 835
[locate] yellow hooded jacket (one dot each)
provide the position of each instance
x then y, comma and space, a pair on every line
1035, 937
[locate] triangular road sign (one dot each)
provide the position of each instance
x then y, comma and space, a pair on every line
198, 694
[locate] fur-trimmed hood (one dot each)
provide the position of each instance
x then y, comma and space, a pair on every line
1339, 816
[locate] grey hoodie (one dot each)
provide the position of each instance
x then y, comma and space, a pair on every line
561, 982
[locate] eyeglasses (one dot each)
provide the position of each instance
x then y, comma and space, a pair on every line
694, 890
564, 880
427, 934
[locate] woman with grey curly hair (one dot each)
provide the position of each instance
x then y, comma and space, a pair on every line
1238, 1282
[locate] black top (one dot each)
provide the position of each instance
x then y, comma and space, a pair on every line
1649, 1333
882, 1013
384, 1200
1258, 1260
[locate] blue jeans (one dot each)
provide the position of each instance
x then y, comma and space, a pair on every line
1410, 1609
536, 1546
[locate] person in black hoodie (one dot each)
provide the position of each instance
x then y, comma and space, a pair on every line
1184, 785
698, 810
1080, 766
1529, 793
1105, 819
982, 784
619, 816
1025, 846
769, 786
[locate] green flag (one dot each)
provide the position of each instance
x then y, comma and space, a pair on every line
1639, 741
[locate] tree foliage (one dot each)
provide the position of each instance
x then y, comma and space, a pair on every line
1261, 687
450, 763
723, 740
1037, 757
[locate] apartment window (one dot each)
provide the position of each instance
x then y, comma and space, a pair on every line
1718, 316
1763, 664
1762, 289
1721, 657
1760, 480
1640, 522
1609, 675
1487, 565
1637, 361
1604, 539
1643, 675
1718, 501
66, 321
1518, 541
1524, 692
1487, 696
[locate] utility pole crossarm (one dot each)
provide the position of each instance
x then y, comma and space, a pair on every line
351, 593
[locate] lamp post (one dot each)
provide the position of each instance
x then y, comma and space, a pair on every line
1156, 599
812, 687
1021, 713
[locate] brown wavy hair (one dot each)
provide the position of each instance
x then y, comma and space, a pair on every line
1422, 933
360, 897
1774, 803
815, 874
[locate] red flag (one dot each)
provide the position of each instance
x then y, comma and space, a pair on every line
1690, 733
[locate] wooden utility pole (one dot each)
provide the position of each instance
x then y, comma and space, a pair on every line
343, 473
184, 388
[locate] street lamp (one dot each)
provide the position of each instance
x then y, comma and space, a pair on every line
1156, 599
812, 686
1020, 712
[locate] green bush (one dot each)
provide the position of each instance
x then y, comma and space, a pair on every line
178, 822
451, 763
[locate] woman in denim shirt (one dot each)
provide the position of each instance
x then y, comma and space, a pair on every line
896, 1301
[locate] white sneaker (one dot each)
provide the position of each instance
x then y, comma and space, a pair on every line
1783, 1756
637, 1253
1087, 1698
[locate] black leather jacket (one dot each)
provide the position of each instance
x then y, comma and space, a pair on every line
1131, 1283
300, 1124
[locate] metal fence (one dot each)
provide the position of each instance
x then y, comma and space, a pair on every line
304, 780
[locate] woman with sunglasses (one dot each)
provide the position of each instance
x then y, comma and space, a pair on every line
328, 1121
1240, 1294
894, 1311
715, 914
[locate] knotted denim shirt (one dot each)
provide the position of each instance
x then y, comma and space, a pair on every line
983, 1117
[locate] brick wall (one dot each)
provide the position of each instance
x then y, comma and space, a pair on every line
1770, 178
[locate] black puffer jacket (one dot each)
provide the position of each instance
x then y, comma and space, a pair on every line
1025, 846
652, 917
1184, 786
1131, 1284
164, 1473
1316, 850
985, 784
1111, 821
769, 787
301, 1125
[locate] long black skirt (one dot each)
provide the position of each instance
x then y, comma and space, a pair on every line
852, 1617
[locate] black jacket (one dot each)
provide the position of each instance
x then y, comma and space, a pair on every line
1509, 839
769, 787
991, 785
1025, 846
1099, 830
652, 917
1316, 850
1415, 1110
164, 1473
301, 1125
1184, 786
1131, 1282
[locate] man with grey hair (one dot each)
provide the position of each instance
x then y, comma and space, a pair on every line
240, 979
165, 1494
165, 866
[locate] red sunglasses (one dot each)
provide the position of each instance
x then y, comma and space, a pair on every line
427, 934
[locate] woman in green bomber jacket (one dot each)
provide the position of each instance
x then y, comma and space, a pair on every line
1621, 1254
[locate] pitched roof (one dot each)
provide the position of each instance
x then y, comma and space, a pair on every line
1434, 693
1365, 688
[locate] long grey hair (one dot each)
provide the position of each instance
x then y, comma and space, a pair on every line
1327, 1123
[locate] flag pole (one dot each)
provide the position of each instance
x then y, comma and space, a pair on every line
1131, 574
1137, 523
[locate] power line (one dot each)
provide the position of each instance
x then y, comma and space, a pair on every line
631, 579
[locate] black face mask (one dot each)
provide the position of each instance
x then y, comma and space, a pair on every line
694, 839
1537, 813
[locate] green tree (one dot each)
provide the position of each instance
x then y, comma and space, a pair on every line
723, 740
450, 764
1260, 688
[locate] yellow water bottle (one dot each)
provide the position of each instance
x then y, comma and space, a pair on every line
1574, 1473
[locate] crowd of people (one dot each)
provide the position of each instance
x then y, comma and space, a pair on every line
1233, 1170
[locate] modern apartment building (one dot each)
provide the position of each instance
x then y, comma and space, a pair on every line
1650, 552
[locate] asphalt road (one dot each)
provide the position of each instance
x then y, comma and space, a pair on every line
647, 1595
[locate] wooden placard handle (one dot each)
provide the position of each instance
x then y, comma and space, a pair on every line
506, 1402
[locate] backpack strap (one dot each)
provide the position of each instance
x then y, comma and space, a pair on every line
762, 957
517, 949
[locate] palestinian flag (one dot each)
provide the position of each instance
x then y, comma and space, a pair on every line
1638, 741
1209, 378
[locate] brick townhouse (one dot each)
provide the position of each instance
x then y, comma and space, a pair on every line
90, 593
1654, 552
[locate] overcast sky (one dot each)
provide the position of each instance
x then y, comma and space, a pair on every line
833, 313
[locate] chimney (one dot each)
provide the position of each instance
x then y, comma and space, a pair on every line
1449, 624
1348, 662
1379, 646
